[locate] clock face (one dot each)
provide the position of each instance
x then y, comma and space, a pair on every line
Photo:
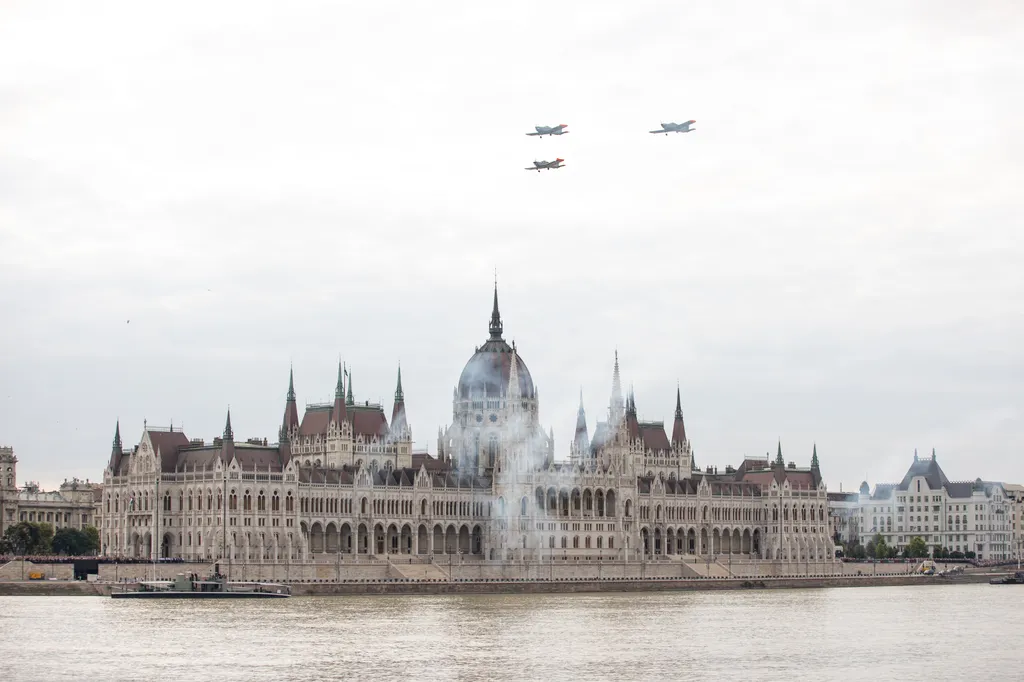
493, 418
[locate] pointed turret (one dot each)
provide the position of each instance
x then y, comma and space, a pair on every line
398, 421
615, 407
581, 440
338, 413
678, 428
514, 390
229, 435
814, 457
349, 400
291, 411
778, 458
495, 327
632, 424
116, 449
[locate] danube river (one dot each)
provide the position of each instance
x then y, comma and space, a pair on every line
965, 632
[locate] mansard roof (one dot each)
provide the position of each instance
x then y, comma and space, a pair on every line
653, 436
930, 469
367, 420
167, 443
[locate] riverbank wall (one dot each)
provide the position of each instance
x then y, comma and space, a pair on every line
400, 587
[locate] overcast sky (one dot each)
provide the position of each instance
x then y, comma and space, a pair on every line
195, 194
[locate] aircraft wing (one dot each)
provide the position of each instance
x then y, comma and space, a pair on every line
532, 134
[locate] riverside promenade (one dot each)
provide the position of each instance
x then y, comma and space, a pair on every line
443, 582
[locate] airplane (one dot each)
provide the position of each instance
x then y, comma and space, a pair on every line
559, 129
675, 128
545, 165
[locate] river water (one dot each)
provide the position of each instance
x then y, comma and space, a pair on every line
966, 632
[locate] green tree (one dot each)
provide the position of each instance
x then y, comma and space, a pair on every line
94, 539
72, 542
877, 547
27, 538
917, 548
859, 552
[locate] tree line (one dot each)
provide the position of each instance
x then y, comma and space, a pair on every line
917, 548
40, 539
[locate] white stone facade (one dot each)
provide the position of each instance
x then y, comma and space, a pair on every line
73, 505
967, 516
343, 485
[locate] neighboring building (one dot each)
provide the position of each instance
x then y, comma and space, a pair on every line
960, 516
1015, 491
71, 506
344, 479
844, 513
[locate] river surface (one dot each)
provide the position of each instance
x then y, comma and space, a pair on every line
965, 632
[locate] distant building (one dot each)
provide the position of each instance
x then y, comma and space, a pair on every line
844, 517
73, 505
344, 480
1016, 493
966, 516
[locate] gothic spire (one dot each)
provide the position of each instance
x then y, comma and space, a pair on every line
615, 408
778, 458
581, 440
495, 327
814, 457
338, 412
678, 427
399, 394
348, 398
228, 433
514, 393
117, 438
291, 412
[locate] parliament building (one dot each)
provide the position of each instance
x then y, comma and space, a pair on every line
344, 480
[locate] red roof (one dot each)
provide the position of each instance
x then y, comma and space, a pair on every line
653, 436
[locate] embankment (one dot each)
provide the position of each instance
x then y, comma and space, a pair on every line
397, 587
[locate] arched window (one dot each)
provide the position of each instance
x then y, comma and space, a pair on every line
423, 508
181, 501
275, 502
190, 509
362, 506
233, 501
261, 502
522, 507
289, 502
247, 501
167, 502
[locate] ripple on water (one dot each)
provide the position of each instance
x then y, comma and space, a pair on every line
967, 632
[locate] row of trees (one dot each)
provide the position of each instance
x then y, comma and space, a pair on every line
27, 538
917, 548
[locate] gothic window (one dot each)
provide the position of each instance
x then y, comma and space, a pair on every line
423, 508
492, 449
522, 507
247, 501
233, 501
167, 502
181, 501
190, 505
275, 502
289, 502
261, 502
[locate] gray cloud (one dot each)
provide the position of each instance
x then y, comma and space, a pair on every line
832, 257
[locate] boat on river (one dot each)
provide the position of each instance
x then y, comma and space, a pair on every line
191, 586
1015, 579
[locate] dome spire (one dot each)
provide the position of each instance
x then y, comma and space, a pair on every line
495, 327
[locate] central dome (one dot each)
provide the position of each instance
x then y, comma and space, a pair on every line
487, 372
